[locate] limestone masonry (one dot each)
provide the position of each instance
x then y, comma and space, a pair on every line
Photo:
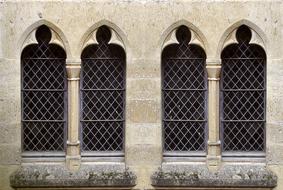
143, 28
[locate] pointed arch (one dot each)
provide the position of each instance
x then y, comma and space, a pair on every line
225, 38
32, 28
44, 94
242, 94
120, 35
184, 92
167, 33
103, 89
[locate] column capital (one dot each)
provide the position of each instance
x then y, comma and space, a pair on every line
73, 67
213, 61
213, 67
73, 61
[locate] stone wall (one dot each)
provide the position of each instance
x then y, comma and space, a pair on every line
143, 27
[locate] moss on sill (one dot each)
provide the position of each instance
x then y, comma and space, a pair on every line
59, 176
227, 176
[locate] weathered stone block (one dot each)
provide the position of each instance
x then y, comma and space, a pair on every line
143, 134
143, 88
278, 170
5, 172
228, 176
143, 154
274, 132
59, 176
10, 133
143, 111
10, 154
144, 68
274, 153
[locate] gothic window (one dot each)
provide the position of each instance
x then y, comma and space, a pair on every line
103, 95
44, 98
243, 95
184, 95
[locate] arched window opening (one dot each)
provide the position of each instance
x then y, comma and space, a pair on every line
44, 95
103, 95
184, 96
243, 92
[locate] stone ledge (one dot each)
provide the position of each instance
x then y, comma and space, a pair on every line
228, 176
35, 176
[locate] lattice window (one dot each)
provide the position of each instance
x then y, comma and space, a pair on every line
243, 95
43, 94
184, 91
103, 95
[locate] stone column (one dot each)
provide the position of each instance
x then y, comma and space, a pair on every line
73, 157
214, 150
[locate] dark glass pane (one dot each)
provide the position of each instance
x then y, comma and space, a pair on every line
243, 95
184, 95
103, 95
44, 88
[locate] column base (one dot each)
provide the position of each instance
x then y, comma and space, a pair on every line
214, 156
213, 163
73, 162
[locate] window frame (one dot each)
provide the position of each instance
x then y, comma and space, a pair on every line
185, 155
244, 154
57, 154
92, 155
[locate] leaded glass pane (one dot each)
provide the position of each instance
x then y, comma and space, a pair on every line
103, 95
43, 94
243, 95
184, 91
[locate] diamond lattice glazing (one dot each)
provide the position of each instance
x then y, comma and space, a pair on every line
243, 98
103, 96
43, 97
184, 97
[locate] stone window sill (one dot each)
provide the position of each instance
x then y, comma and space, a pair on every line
57, 176
227, 177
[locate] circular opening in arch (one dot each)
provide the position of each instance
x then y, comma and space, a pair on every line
103, 34
183, 34
243, 34
43, 34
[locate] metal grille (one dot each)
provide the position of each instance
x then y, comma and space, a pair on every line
184, 95
43, 95
243, 96
103, 95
